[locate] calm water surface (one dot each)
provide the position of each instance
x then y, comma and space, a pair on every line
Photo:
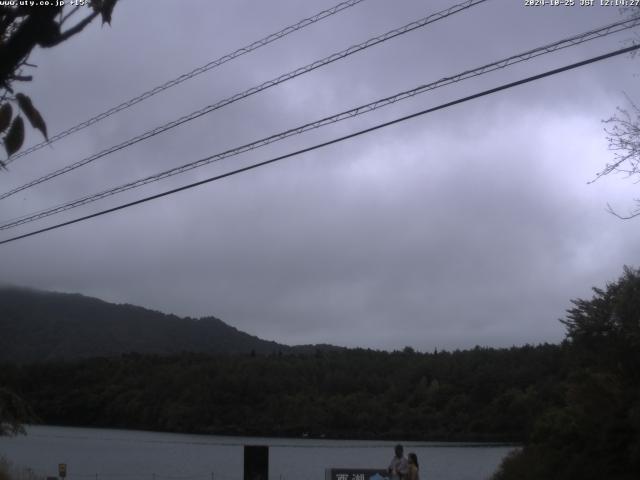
125, 454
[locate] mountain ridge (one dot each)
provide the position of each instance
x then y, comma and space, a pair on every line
40, 326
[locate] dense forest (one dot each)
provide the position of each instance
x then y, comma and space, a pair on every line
481, 394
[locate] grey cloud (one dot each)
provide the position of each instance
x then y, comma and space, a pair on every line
470, 226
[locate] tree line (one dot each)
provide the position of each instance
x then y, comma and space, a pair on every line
479, 394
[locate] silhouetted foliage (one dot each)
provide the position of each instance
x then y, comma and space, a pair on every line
13, 413
594, 432
23, 28
623, 132
9, 471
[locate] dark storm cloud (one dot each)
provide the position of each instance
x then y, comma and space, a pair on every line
473, 225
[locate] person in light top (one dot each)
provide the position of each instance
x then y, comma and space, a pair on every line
399, 467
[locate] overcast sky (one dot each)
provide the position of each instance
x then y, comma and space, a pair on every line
473, 225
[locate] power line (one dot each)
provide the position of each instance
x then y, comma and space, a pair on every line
330, 142
193, 73
503, 63
252, 91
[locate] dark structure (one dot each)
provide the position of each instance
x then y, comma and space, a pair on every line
256, 462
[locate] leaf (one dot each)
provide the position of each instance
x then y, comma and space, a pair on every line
33, 115
96, 5
6, 113
107, 10
15, 137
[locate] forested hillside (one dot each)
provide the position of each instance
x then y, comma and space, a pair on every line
480, 394
38, 326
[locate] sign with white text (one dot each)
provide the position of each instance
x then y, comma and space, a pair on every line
355, 474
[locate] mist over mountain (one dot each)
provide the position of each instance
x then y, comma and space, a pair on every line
39, 326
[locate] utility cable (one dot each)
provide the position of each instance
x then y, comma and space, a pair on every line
252, 91
193, 73
369, 107
330, 142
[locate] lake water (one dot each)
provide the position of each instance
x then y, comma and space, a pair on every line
101, 454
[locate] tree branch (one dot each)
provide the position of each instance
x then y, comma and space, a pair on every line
76, 29
36, 29
69, 15
22, 78
622, 217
